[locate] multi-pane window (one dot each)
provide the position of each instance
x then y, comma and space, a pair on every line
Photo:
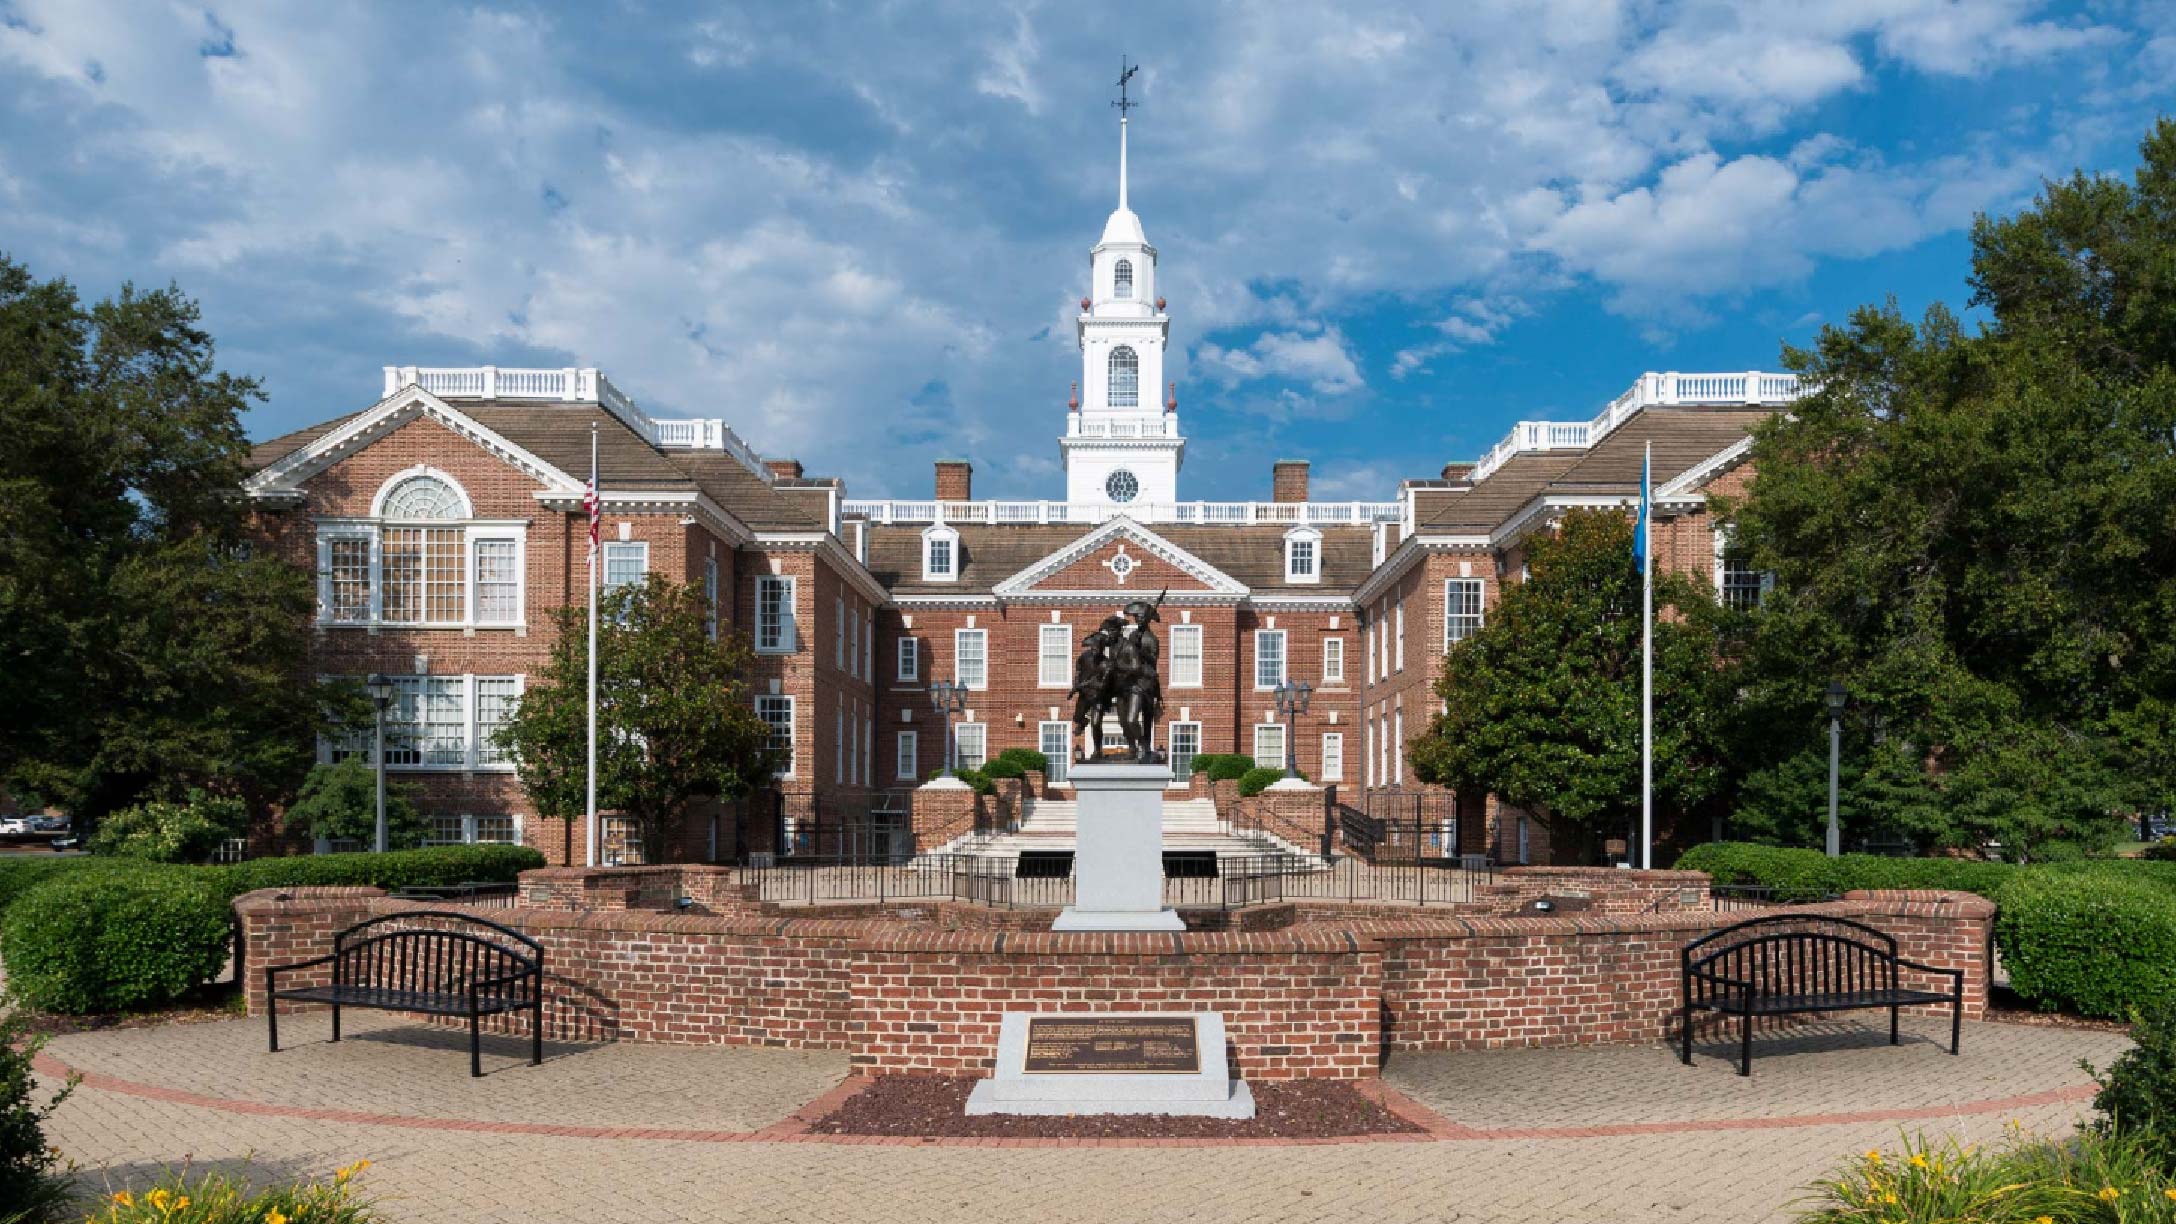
868, 750
1299, 557
778, 712
838, 745
970, 744
1397, 747
420, 570
1269, 745
1333, 757
940, 554
1740, 585
1461, 609
905, 753
347, 578
422, 497
971, 657
624, 563
1125, 378
1186, 656
497, 828
1053, 656
498, 581
1055, 741
459, 829
1333, 660
447, 829
910, 658
838, 633
1268, 658
1122, 279
710, 597
868, 645
496, 698
774, 615
1185, 745
1397, 619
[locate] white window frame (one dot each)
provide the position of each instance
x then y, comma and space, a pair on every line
1397, 617
1275, 732
1131, 396
1458, 625
1397, 746
638, 548
868, 645
906, 756
1333, 757
1283, 658
838, 745
1172, 731
1055, 768
980, 679
1122, 280
1054, 656
710, 593
408, 728
868, 749
1767, 578
982, 744
1333, 660
1186, 656
785, 703
950, 571
1303, 542
788, 637
468, 824
371, 533
909, 666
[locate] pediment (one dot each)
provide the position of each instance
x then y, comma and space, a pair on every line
284, 476
1120, 556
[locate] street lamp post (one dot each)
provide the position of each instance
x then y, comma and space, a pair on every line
381, 695
1836, 699
1292, 701
948, 699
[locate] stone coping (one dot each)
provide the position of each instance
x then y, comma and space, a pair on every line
1340, 936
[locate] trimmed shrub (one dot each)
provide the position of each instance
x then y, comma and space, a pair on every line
2094, 942
1223, 766
1803, 871
31, 1188
1258, 779
1002, 768
1022, 759
395, 869
112, 941
166, 832
340, 803
2137, 1097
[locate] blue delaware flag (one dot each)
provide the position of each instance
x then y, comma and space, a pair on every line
1639, 529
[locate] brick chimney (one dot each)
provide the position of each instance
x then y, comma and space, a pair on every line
955, 480
1289, 482
784, 469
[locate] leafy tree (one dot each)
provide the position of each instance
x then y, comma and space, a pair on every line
146, 650
1977, 531
1544, 701
675, 721
162, 831
340, 802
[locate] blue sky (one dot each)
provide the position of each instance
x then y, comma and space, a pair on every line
856, 231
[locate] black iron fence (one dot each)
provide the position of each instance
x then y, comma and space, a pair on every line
1398, 825
475, 894
1731, 897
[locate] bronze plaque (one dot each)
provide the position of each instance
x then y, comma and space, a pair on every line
1110, 1045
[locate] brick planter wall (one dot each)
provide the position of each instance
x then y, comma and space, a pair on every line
1611, 890
921, 988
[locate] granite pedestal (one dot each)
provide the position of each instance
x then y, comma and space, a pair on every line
1118, 856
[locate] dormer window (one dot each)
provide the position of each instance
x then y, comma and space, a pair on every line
1303, 555
1122, 279
1125, 378
940, 554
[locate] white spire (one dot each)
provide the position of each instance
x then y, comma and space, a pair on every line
1122, 163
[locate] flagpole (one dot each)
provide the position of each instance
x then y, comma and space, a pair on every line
1647, 665
595, 511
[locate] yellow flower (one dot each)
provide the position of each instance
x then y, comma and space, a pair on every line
1889, 1197
124, 1198
2043, 1220
1873, 1157
157, 1198
347, 1171
2109, 1194
275, 1216
1919, 1161
2171, 1194
182, 1204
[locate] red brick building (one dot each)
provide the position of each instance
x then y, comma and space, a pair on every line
444, 523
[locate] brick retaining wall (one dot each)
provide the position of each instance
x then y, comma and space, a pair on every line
1323, 997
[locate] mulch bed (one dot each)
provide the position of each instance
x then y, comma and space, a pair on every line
205, 1004
903, 1105
2004, 1007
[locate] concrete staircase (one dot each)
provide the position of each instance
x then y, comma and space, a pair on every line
1189, 825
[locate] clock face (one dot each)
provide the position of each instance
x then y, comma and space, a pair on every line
1122, 486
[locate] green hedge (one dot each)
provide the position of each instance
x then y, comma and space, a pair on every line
1259, 779
111, 941
394, 869
1222, 766
2092, 942
1813, 871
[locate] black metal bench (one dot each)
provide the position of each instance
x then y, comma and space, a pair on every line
1796, 964
432, 970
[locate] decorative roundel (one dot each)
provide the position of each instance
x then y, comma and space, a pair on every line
1122, 486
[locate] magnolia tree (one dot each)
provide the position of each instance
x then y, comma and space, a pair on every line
675, 723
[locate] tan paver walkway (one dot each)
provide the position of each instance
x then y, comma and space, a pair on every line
426, 1173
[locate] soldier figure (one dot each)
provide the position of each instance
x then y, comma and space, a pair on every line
1091, 682
1134, 688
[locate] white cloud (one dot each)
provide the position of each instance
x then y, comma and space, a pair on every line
1317, 357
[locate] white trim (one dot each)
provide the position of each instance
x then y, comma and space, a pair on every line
1409, 552
1064, 658
1284, 658
385, 490
790, 630
1328, 679
1328, 774
981, 682
1022, 584
283, 477
1292, 540
1681, 487
793, 730
909, 652
906, 750
1256, 746
1480, 613
931, 536
1201, 662
827, 546
660, 501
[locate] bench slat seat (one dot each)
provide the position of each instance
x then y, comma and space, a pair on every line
429, 962
1803, 964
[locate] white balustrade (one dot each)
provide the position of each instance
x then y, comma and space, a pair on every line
1208, 513
1651, 391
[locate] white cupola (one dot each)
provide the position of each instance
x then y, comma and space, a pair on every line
1122, 442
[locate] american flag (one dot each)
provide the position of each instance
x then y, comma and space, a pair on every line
592, 504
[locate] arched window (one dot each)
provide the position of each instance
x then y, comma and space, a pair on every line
423, 497
1122, 279
1125, 378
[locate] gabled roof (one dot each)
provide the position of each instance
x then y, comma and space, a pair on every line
282, 476
1027, 580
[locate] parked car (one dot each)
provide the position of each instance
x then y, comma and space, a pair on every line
49, 824
14, 826
67, 843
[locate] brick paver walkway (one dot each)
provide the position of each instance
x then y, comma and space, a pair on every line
1619, 1134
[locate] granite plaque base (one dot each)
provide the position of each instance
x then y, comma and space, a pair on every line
1118, 856
1112, 1063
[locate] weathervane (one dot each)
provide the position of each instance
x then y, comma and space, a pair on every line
1125, 74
